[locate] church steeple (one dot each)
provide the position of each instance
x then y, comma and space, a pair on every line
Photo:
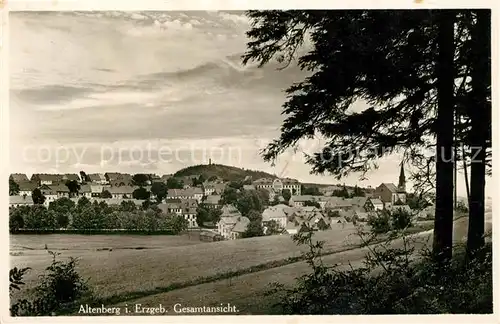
402, 179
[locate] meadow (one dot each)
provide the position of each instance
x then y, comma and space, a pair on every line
121, 264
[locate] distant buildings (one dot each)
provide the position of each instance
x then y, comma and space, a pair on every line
16, 201
190, 193
231, 224
19, 178
389, 194
277, 185
182, 207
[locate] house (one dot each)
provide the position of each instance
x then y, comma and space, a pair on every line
70, 177
49, 194
373, 204
225, 225
124, 192
46, 179
208, 188
275, 213
85, 191
239, 228
338, 204
171, 206
277, 184
229, 218
97, 189
16, 201
358, 201
212, 201
299, 201
389, 194
26, 188
189, 214
98, 178
219, 188
19, 177
116, 179
190, 193
60, 190
182, 207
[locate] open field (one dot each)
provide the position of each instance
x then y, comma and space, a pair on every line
164, 260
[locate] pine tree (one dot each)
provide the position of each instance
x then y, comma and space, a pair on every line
389, 59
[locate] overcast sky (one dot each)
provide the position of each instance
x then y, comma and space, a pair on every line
147, 92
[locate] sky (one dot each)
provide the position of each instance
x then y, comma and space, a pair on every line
149, 92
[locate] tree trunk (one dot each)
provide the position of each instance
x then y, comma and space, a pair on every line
443, 223
480, 122
466, 176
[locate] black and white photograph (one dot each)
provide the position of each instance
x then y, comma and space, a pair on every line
250, 162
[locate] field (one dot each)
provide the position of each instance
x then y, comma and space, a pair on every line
160, 261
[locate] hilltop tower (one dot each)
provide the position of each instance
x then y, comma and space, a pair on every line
402, 179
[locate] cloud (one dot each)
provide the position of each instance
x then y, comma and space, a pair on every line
51, 93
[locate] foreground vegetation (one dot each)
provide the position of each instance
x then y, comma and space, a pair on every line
391, 280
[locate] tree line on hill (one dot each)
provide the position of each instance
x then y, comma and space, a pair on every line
64, 213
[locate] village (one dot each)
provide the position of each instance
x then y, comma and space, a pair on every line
289, 206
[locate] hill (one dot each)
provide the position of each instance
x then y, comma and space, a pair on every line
225, 172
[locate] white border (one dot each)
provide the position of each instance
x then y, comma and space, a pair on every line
159, 5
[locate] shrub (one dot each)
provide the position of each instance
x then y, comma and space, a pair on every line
462, 207
59, 286
400, 219
380, 223
391, 281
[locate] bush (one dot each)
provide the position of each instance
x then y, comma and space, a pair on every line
59, 286
462, 207
401, 219
380, 223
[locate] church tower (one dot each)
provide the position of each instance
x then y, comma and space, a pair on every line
402, 180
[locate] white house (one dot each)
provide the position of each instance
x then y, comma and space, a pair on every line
275, 213
61, 191
49, 193
374, 204
239, 228
229, 218
98, 178
124, 192
16, 201
85, 191
190, 193
276, 184
26, 188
